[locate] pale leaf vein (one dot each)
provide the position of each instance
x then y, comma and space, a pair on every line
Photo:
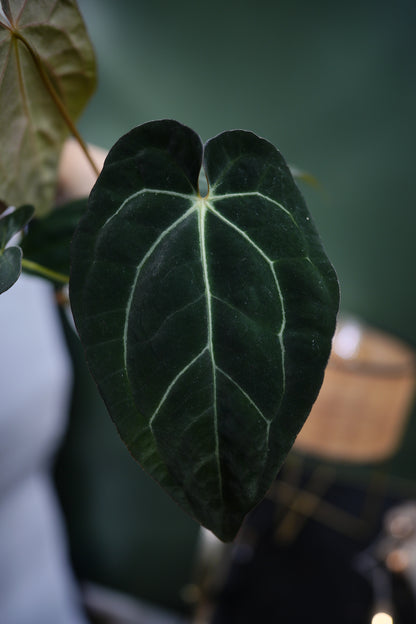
245, 394
173, 383
191, 198
270, 263
210, 345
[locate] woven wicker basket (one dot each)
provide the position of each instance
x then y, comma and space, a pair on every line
361, 411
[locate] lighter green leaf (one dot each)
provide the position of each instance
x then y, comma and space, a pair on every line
206, 320
44, 49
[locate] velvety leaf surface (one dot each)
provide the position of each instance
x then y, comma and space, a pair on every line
207, 321
48, 239
40, 42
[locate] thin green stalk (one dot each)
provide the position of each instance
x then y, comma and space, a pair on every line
43, 271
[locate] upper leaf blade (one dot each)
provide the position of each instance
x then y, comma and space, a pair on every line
207, 321
44, 42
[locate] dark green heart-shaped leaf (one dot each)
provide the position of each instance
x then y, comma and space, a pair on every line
48, 240
207, 321
47, 73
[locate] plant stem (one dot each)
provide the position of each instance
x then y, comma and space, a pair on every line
56, 99
43, 271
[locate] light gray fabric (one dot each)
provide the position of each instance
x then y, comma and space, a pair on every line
36, 586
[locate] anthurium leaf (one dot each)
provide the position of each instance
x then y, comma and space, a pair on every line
47, 71
48, 239
10, 267
206, 320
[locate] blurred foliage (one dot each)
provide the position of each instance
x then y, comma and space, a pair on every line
47, 75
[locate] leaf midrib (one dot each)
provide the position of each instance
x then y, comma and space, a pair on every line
202, 206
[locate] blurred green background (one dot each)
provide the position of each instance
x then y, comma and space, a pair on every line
333, 86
